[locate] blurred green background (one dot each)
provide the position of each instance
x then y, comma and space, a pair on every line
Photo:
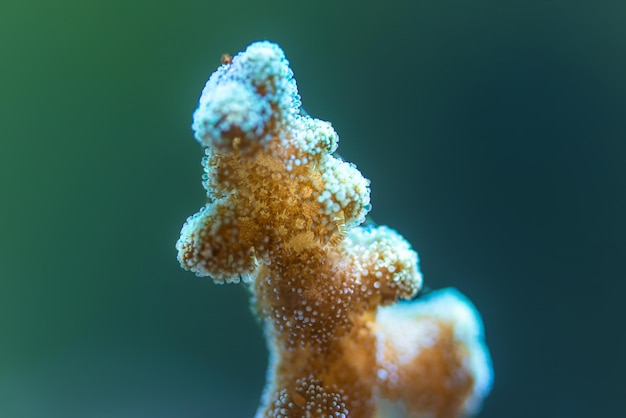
493, 133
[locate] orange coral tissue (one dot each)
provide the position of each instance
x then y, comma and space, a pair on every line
284, 216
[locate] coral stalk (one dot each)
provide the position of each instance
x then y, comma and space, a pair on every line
284, 216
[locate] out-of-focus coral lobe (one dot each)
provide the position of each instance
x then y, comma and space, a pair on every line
431, 358
283, 216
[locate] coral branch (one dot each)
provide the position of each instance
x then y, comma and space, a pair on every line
283, 216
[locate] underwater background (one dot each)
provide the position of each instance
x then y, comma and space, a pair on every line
493, 133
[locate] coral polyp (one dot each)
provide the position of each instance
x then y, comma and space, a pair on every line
284, 216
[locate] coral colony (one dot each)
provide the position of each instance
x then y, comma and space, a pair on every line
283, 217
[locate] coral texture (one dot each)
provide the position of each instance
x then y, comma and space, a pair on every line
283, 216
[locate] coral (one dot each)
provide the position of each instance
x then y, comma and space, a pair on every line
284, 216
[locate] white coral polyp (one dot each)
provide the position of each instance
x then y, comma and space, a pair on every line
247, 99
346, 191
229, 110
314, 136
386, 250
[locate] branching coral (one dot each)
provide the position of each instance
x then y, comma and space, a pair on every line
284, 217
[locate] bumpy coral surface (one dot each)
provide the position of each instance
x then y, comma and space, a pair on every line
283, 216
